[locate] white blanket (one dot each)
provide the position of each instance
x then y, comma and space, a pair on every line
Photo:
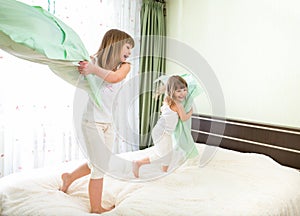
232, 183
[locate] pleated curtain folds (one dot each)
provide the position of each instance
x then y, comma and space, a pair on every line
152, 66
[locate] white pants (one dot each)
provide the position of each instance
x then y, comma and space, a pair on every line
163, 149
99, 139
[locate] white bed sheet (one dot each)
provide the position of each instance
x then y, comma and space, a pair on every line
232, 183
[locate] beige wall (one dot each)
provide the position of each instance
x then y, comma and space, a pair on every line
253, 47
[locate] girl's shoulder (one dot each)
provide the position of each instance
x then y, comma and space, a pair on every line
174, 107
122, 64
125, 63
170, 103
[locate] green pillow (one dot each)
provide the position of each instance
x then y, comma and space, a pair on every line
33, 34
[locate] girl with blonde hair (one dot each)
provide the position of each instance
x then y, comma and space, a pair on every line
172, 109
110, 65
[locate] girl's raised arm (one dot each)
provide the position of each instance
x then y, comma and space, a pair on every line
110, 76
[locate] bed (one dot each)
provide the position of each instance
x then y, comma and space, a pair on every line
250, 178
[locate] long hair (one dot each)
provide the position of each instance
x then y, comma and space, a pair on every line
108, 54
174, 83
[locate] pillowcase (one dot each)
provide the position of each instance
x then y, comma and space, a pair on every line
33, 34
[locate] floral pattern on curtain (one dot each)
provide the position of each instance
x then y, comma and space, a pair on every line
36, 128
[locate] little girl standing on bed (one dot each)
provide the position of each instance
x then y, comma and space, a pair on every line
171, 110
109, 63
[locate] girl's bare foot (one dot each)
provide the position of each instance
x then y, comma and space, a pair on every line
135, 168
105, 210
66, 179
100, 210
165, 168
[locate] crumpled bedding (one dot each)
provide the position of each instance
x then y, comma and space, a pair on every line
231, 183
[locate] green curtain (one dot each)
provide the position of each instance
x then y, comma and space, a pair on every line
152, 66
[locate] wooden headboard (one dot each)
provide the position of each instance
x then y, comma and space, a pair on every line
280, 143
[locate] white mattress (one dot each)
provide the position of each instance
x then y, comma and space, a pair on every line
232, 183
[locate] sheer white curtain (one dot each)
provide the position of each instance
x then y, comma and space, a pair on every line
125, 14
36, 127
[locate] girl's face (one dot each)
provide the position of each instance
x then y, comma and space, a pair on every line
125, 52
180, 94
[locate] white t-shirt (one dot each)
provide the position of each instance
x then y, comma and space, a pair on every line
104, 114
166, 123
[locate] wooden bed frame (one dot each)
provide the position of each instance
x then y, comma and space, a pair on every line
280, 143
